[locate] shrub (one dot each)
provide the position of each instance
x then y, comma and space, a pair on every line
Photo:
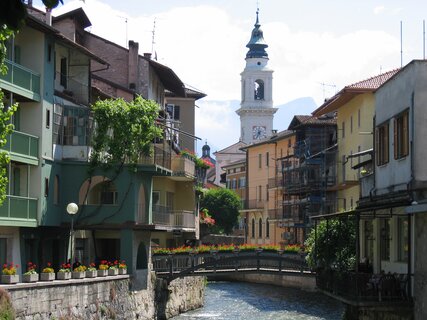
6, 309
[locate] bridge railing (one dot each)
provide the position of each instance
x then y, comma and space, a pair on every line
179, 265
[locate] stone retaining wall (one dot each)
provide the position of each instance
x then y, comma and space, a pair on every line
105, 298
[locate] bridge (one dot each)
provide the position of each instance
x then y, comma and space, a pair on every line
173, 266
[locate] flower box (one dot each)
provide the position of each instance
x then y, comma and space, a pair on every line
102, 273
47, 276
63, 275
123, 271
78, 274
113, 272
34, 277
13, 278
91, 274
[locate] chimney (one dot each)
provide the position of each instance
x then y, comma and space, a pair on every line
133, 64
49, 16
147, 55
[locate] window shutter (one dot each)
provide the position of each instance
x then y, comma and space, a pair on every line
395, 142
377, 146
405, 137
386, 143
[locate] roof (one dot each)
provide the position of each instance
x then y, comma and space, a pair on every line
350, 91
234, 163
257, 43
78, 14
307, 120
168, 77
190, 92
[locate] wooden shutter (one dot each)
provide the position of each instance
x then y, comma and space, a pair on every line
395, 138
405, 135
377, 146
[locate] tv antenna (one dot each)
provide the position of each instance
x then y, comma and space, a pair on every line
324, 85
153, 37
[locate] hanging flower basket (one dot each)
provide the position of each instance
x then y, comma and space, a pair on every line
9, 279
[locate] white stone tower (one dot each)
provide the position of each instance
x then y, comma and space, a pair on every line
256, 108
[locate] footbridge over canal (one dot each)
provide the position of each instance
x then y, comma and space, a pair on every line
213, 264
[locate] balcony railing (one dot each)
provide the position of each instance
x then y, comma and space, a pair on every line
23, 146
275, 183
360, 286
254, 204
19, 211
25, 80
159, 157
165, 216
183, 167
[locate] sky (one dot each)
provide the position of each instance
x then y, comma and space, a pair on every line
315, 47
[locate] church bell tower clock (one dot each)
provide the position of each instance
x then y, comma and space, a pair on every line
256, 110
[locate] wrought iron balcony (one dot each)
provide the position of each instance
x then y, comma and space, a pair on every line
18, 211
23, 147
159, 156
167, 217
21, 80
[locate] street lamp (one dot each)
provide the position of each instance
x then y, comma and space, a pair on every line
72, 209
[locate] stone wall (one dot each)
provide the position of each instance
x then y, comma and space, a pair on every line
292, 281
105, 298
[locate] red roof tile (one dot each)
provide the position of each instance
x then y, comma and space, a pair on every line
375, 82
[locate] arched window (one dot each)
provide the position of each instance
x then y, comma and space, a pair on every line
253, 228
267, 228
141, 258
260, 228
259, 90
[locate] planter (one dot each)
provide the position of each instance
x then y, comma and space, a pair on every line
91, 274
102, 273
113, 272
47, 276
10, 278
63, 275
78, 274
123, 271
30, 277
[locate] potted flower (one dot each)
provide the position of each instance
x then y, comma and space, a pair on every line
65, 272
9, 273
48, 273
103, 268
91, 271
123, 268
31, 275
113, 269
79, 272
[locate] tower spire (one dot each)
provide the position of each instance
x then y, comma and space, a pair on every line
257, 44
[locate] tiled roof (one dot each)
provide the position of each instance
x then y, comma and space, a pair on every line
375, 82
323, 120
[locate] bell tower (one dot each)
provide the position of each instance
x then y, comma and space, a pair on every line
256, 110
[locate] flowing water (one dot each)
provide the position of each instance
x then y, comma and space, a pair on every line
249, 301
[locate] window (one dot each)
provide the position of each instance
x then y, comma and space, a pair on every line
63, 71
260, 228
174, 111
253, 228
267, 160
358, 118
343, 129
266, 192
259, 90
351, 124
242, 182
46, 187
369, 243
385, 239
56, 190
381, 144
401, 136
259, 193
259, 160
402, 238
343, 169
156, 198
267, 228
47, 118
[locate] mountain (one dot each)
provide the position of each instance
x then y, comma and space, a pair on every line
300, 106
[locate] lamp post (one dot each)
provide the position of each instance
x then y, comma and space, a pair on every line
72, 209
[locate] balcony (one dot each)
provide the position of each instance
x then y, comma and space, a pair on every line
183, 168
357, 288
159, 157
19, 212
21, 80
254, 204
164, 216
275, 183
23, 147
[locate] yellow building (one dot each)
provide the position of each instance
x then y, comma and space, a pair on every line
263, 207
355, 107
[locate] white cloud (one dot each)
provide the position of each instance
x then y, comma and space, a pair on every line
379, 9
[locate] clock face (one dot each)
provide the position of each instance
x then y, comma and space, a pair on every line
259, 132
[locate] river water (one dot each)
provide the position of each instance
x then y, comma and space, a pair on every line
249, 301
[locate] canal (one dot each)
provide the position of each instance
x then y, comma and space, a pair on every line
249, 301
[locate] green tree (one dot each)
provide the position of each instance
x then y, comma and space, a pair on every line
335, 246
124, 130
223, 205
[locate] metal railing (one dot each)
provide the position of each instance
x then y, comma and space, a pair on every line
22, 77
159, 157
165, 216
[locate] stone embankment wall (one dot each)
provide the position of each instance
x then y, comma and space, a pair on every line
105, 298
305, 282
